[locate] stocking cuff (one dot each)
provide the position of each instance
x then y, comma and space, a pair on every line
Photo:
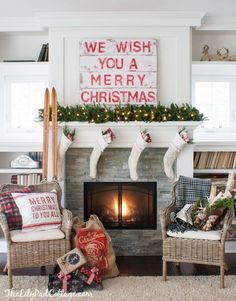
178, 142
65, 142
140, 143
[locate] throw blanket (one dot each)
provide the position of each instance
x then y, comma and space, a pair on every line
189, 190
179, 226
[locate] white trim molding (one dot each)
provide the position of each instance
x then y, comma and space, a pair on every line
121, 18
221, 23
20, 24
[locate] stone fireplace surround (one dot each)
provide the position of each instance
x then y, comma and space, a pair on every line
150, 168
113, 167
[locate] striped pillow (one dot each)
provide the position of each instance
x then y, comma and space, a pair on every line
40, 211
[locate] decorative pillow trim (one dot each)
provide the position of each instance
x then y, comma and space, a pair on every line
42, 224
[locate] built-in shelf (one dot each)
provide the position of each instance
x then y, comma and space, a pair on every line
212, 171
25, 64
20, 170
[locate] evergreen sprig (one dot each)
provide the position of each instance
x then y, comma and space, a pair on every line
101, 113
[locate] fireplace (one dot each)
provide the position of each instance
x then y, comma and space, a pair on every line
123, 205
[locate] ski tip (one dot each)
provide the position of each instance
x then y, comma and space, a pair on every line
46, 91
54, 93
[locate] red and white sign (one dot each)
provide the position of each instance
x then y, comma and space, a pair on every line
116, 71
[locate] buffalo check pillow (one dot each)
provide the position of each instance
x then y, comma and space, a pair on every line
39, 211
9, 208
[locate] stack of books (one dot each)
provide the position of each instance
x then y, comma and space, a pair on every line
26, 179
215, 160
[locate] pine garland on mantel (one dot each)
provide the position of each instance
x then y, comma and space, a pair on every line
148, 113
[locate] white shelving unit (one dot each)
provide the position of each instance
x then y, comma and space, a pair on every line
20, 170
213, 171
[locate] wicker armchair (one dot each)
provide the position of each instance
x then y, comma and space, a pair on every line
200, 251
36, 253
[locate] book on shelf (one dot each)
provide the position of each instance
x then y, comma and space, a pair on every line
26, 179
43, 55
37, 156
214, 160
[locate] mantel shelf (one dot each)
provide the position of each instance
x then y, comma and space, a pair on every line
126, 133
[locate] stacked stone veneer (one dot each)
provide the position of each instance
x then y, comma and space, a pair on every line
113, 166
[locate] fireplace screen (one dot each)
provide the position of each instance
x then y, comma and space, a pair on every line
122, 205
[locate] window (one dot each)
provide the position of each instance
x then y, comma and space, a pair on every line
213, 93
22, 95
25, 98
213, 98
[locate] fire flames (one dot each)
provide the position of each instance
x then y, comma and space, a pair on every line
125, 210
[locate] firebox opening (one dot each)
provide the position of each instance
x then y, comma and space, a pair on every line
123, 205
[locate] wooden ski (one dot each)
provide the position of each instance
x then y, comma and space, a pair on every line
46, 114
54, 133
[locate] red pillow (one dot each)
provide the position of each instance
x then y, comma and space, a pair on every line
9, 208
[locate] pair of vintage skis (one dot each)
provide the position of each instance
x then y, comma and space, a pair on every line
50, 114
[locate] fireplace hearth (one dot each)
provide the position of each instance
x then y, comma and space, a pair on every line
123, 205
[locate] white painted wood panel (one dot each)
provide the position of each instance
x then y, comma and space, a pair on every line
173, 64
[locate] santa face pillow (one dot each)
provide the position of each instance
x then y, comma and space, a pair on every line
39, 211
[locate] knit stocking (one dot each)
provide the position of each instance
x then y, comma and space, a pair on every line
61, 152
140, 144
171, 154
104, 139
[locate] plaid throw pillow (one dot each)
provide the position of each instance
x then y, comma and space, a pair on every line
189, 190
9, 208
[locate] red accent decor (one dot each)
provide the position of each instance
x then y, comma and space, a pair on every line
64, 279
93, 244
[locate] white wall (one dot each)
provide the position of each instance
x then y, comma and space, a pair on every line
29, 7
173, 58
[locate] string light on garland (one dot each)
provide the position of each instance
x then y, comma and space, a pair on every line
148, 113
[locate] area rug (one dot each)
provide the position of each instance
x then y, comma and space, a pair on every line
177, 288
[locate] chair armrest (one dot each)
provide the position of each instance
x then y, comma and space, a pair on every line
227, 223
67, 222
165, 213
5, 228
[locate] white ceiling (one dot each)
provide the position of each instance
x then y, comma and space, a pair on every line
23, 8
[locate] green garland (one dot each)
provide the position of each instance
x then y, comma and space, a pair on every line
148, 113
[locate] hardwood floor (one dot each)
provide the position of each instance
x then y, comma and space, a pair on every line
142, 266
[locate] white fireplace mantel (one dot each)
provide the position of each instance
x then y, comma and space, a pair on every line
126, 133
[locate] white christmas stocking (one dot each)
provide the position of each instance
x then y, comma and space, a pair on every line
104, 139
61, 151
140, 144
171, 154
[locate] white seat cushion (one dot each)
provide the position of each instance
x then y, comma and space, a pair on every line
19, 236
199, 234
